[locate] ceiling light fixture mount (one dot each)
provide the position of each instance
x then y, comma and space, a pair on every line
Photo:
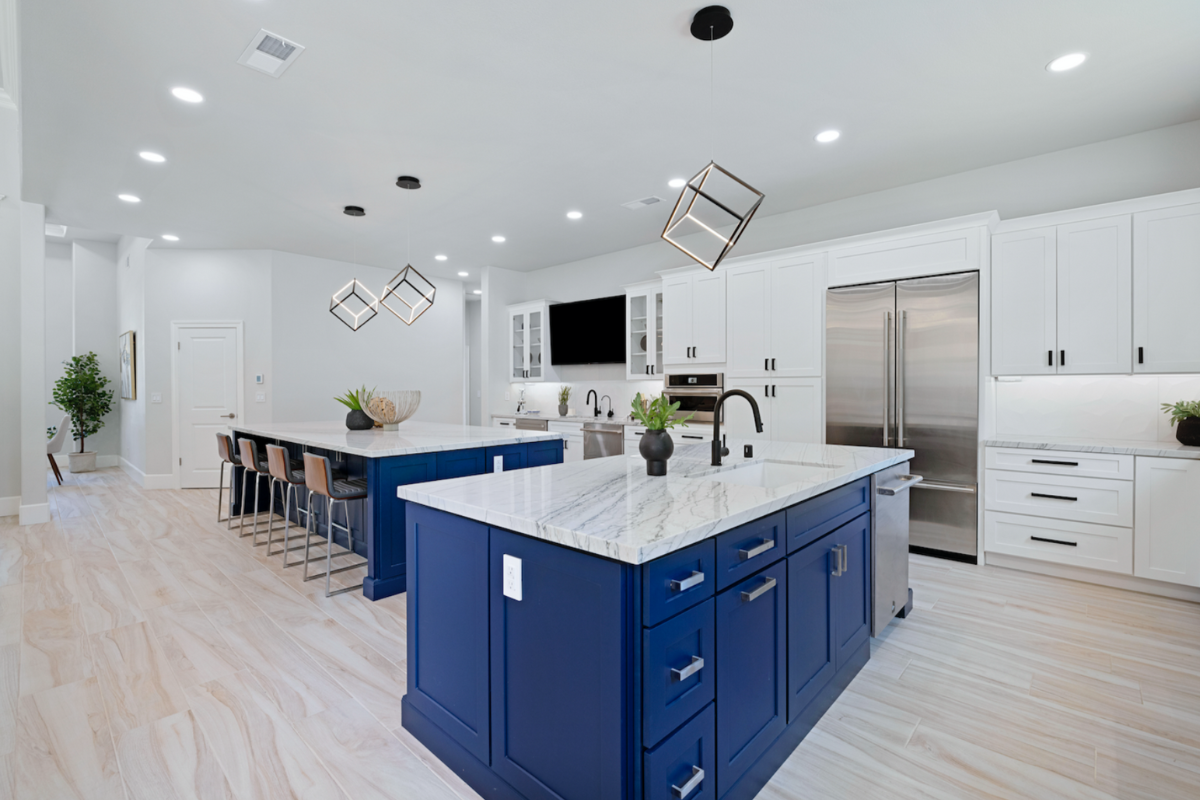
354, 211
712, 23
408, 182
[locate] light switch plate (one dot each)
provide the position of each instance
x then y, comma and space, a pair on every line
512, 577
260, 397
508, 395
155, 397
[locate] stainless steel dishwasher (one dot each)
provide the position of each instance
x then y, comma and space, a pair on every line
890, 595
603, 439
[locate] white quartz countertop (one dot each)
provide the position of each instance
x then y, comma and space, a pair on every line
1129, 447
582, 418
413, 438
611, 507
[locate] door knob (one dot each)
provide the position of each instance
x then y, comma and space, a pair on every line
227, 416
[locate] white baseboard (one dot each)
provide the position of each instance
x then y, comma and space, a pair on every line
101, 461
34, 514
1112, 579
166, 481
10, 506
129, 469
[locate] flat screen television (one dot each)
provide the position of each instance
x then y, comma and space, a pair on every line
588, 332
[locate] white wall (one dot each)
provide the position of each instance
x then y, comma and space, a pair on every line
131, 316
60, 325
10, 316
474, 312
501, 287
94, 319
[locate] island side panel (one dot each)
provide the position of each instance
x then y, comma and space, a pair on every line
386, 552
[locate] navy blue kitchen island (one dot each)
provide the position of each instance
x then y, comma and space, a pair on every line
418, 452
585, 632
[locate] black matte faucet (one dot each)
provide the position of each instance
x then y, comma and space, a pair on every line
609, 399
595, 402
717, 449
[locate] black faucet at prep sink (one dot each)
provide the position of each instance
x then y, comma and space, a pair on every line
717, 449
595, 402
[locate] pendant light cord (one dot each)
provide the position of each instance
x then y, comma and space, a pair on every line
711, 105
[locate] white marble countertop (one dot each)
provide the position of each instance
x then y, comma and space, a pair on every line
414, 437
1130, 447
581, 418
610, 507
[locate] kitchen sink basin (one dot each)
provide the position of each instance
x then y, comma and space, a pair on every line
767, 474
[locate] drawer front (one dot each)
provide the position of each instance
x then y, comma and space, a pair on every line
1055, 462
634, 433
814, 518
1080, 544
504, 423
678, 670
748, 548
1081, 499
678, 581
684, 767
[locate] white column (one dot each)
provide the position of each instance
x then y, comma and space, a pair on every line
34, 508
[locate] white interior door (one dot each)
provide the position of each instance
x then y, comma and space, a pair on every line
206, 370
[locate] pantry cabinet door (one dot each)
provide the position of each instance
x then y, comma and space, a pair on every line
1024, 303
1095, 302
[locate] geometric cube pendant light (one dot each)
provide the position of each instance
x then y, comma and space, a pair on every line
408, 295
712, 199
354, 305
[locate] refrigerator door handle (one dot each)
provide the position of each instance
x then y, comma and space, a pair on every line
901, 326
887, 378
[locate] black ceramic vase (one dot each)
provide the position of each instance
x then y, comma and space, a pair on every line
357, 420
1188, 431
656, 447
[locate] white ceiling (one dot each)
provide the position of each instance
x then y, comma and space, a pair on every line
513, 113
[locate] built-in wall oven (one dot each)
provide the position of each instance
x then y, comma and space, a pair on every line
696, 393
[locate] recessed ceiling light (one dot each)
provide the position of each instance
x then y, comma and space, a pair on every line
187, 95
477, 291
497, 239
170, 237
676, 183
574, 215
463, 274
825, 137
130, 198
155, 157
440, 257
1069, 61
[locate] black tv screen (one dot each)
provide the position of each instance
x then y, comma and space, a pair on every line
588, 332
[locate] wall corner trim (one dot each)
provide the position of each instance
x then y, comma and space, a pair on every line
34, 514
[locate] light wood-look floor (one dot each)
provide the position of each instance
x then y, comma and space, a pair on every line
145, 652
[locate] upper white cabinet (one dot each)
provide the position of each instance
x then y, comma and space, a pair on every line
1166, 280
529, 342
1062, 299
775, 313
1165, 544
694, 318
643, 331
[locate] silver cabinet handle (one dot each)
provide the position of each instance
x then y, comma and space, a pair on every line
839, 560
906, 483
688, 671
887, 378
767, 585
689, 787
845, 559
901, 377
695, 579
757, 550
227, 416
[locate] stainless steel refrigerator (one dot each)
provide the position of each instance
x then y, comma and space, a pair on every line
902, 366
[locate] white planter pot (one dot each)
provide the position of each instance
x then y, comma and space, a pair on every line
81, 462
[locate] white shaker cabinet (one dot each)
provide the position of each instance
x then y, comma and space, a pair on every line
643, 331
1024, 297
776, 323
1166, 284
791, 410
1166, 534
694, 318
529, 342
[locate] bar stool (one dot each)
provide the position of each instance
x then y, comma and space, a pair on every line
319, 477
228, 456
284, 468
255, 462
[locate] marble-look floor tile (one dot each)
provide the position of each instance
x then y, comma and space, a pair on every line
171, 760
8, 777
50, 584
10, 692
65, 747
105, 596
153, 583
262, 755
12, 560
382, 622
196, 651
220, 600
11, 609
373, 680
276, 599
43, 542
129, 545
54, 649
135, 677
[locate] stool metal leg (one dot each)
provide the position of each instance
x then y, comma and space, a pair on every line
287, 521
242, 514
307, 526
229, 515
220, 489
329, 570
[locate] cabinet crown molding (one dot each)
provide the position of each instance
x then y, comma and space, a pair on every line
1088, 213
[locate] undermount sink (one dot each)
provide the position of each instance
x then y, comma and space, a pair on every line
765, 474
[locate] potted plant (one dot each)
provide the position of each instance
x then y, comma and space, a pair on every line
564, 395
357, 419
81, 393
1187, 414
658, 416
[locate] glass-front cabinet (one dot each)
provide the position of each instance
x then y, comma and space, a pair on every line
644, 331
529, 342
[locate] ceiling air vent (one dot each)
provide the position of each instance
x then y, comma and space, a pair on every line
270, 53
634, 205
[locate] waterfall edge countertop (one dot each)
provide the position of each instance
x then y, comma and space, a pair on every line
413, 438
610, 507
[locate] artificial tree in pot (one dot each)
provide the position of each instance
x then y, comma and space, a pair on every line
81, 393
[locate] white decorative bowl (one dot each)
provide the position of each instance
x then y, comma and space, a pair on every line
391, 408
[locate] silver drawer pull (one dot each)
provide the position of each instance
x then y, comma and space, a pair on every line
695, 579
757, 550
839, 560
767, 585
689, 787
688, 671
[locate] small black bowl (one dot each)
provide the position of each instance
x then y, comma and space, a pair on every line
1188, 431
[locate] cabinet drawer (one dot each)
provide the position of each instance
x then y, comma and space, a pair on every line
1055, 462
748, 548
678, 661
671, 584
634, 433
816, 517
1060, 541
504, 423
684, 766
1096, 500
